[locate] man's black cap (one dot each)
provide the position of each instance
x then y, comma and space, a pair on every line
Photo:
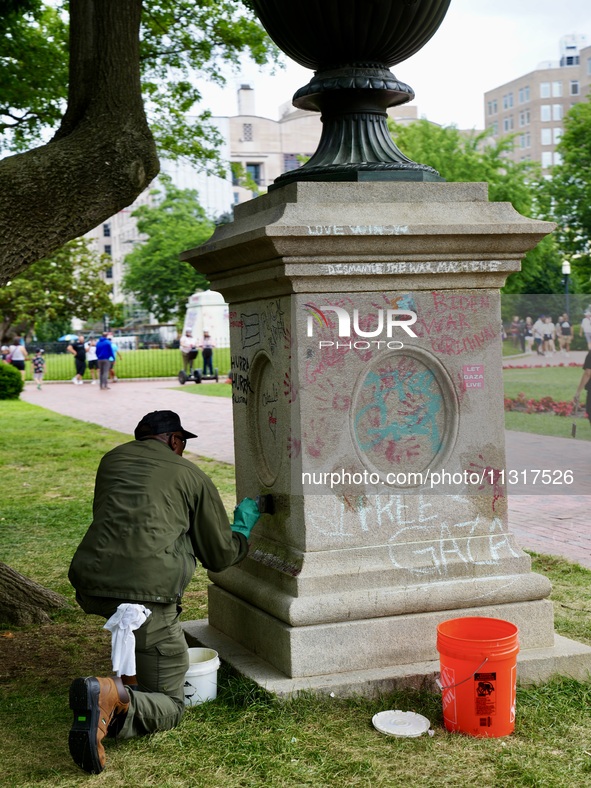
159, 422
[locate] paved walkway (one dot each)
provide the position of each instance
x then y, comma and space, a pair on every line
555, 524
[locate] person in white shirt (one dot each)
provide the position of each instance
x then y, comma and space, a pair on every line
549, 335
188, 347
92, 360
18, 355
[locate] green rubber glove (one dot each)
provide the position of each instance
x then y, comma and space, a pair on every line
246, 516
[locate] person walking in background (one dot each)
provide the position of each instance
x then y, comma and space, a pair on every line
549, 332
18, 355
78, 350
207, 347
188, 348
528, 336
514, 330
38, 368
104, 353
538, 334
585, 328
92, 360
116, 354
566, 333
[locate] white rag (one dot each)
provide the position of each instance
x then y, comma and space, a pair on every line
121, 625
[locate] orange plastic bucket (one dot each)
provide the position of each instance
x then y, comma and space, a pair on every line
478, 658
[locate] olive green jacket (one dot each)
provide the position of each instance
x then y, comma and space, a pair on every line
154, 514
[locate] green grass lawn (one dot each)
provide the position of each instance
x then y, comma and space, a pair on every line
560, 383
207, 389
246, 738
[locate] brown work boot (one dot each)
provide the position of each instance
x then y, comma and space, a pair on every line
95, 703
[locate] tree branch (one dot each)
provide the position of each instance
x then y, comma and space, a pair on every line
103, 155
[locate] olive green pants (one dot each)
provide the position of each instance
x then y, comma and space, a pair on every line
162, 661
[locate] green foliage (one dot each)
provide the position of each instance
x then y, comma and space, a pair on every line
33, 72
183, 44
241, 177
68, 284
50, 330
568, 194
11, 382
469, 157
160, 282
473, 157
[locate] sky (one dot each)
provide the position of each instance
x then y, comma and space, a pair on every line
480, 45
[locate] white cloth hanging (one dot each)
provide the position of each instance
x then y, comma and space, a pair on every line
121, 625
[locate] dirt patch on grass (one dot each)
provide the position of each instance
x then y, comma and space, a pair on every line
54, 654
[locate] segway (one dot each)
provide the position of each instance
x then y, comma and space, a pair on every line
194, 374
215, 375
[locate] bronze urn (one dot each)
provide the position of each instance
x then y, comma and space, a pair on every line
351, 44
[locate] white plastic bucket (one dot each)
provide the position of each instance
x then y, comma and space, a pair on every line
201, 679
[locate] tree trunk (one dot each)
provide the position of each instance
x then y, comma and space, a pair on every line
22, 601
102, 157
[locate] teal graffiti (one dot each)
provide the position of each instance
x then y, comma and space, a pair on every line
419, 402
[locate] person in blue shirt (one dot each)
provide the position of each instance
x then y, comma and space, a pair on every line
104, 353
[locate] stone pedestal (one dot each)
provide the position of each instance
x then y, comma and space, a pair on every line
381, 439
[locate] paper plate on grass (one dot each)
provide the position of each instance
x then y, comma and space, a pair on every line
400, 723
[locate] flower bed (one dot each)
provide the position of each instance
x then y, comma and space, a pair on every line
522, 404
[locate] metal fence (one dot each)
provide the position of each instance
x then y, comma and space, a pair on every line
146, 363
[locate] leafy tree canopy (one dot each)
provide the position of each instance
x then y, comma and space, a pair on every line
65, 285
33, 72
160, 282
458, 156
183, 43
568, 194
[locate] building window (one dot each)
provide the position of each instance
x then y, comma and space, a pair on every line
494, 128
546, 159
109, 272
545, 112
574, 87
254, 170
570, 60
508, 123
493, 107
525, 140
557, 135
108, 249
557, 158
247, 132
546, 136
557, 112
106, 230
507, 100
290, 162
524, 94
544, 90
524, 118
557, 89
589, 66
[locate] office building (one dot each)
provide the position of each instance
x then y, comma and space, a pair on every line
532, 107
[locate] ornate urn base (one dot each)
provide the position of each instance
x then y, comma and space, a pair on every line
356, 144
